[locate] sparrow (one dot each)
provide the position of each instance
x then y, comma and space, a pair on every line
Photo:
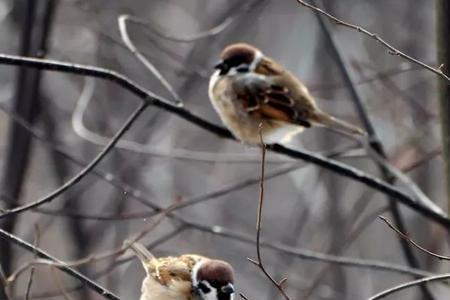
249, 88
186, 277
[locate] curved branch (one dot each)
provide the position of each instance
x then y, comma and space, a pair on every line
123, 29
83, 172
391, 49
59, 264
409, 284
152, 99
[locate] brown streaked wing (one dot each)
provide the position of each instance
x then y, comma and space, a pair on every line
273, 102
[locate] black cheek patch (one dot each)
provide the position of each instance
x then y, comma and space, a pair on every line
224, 70
243, 69
222, 296
204, 288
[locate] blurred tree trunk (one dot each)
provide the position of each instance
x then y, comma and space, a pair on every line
18, 147
416, 94
374, 141
443, 46
35, 25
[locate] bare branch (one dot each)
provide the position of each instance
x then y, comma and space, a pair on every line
406, 237
83, 172
311, 255
122, 20
59, 284
409, 284
259, 262
152, 99
178, 153
72, 272
391, 49
30, 279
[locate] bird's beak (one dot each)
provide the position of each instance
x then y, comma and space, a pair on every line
222, 67
227, 289
219, 65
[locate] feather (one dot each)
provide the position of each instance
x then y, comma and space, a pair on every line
333, 123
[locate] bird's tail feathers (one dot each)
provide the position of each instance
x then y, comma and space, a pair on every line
336, 124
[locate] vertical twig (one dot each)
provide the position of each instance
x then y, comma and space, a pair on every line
60, 284
259, 262
443, 48
261, 193
37, 238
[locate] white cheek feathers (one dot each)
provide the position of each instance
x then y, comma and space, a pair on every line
194, 277
256, 60
208, 293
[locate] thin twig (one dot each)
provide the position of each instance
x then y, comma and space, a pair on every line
97, 257
409, 284
72, 272
37, 239
152, 99
400, 176
391, 49
302, 253
406, 237
122, 20
59, 284
259, 262
83, 172
243, 296
118, 262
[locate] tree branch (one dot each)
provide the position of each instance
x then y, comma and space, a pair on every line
151, 99
409, 284
391, 49
83, 172
59, 264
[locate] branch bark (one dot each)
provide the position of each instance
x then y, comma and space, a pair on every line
150, 98
443, 46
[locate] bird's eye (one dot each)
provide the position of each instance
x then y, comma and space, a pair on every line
243, 69
204, 288
227, 289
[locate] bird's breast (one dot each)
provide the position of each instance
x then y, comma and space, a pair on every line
226, 103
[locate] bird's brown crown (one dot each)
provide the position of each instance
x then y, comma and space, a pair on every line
216, 271
240, 53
